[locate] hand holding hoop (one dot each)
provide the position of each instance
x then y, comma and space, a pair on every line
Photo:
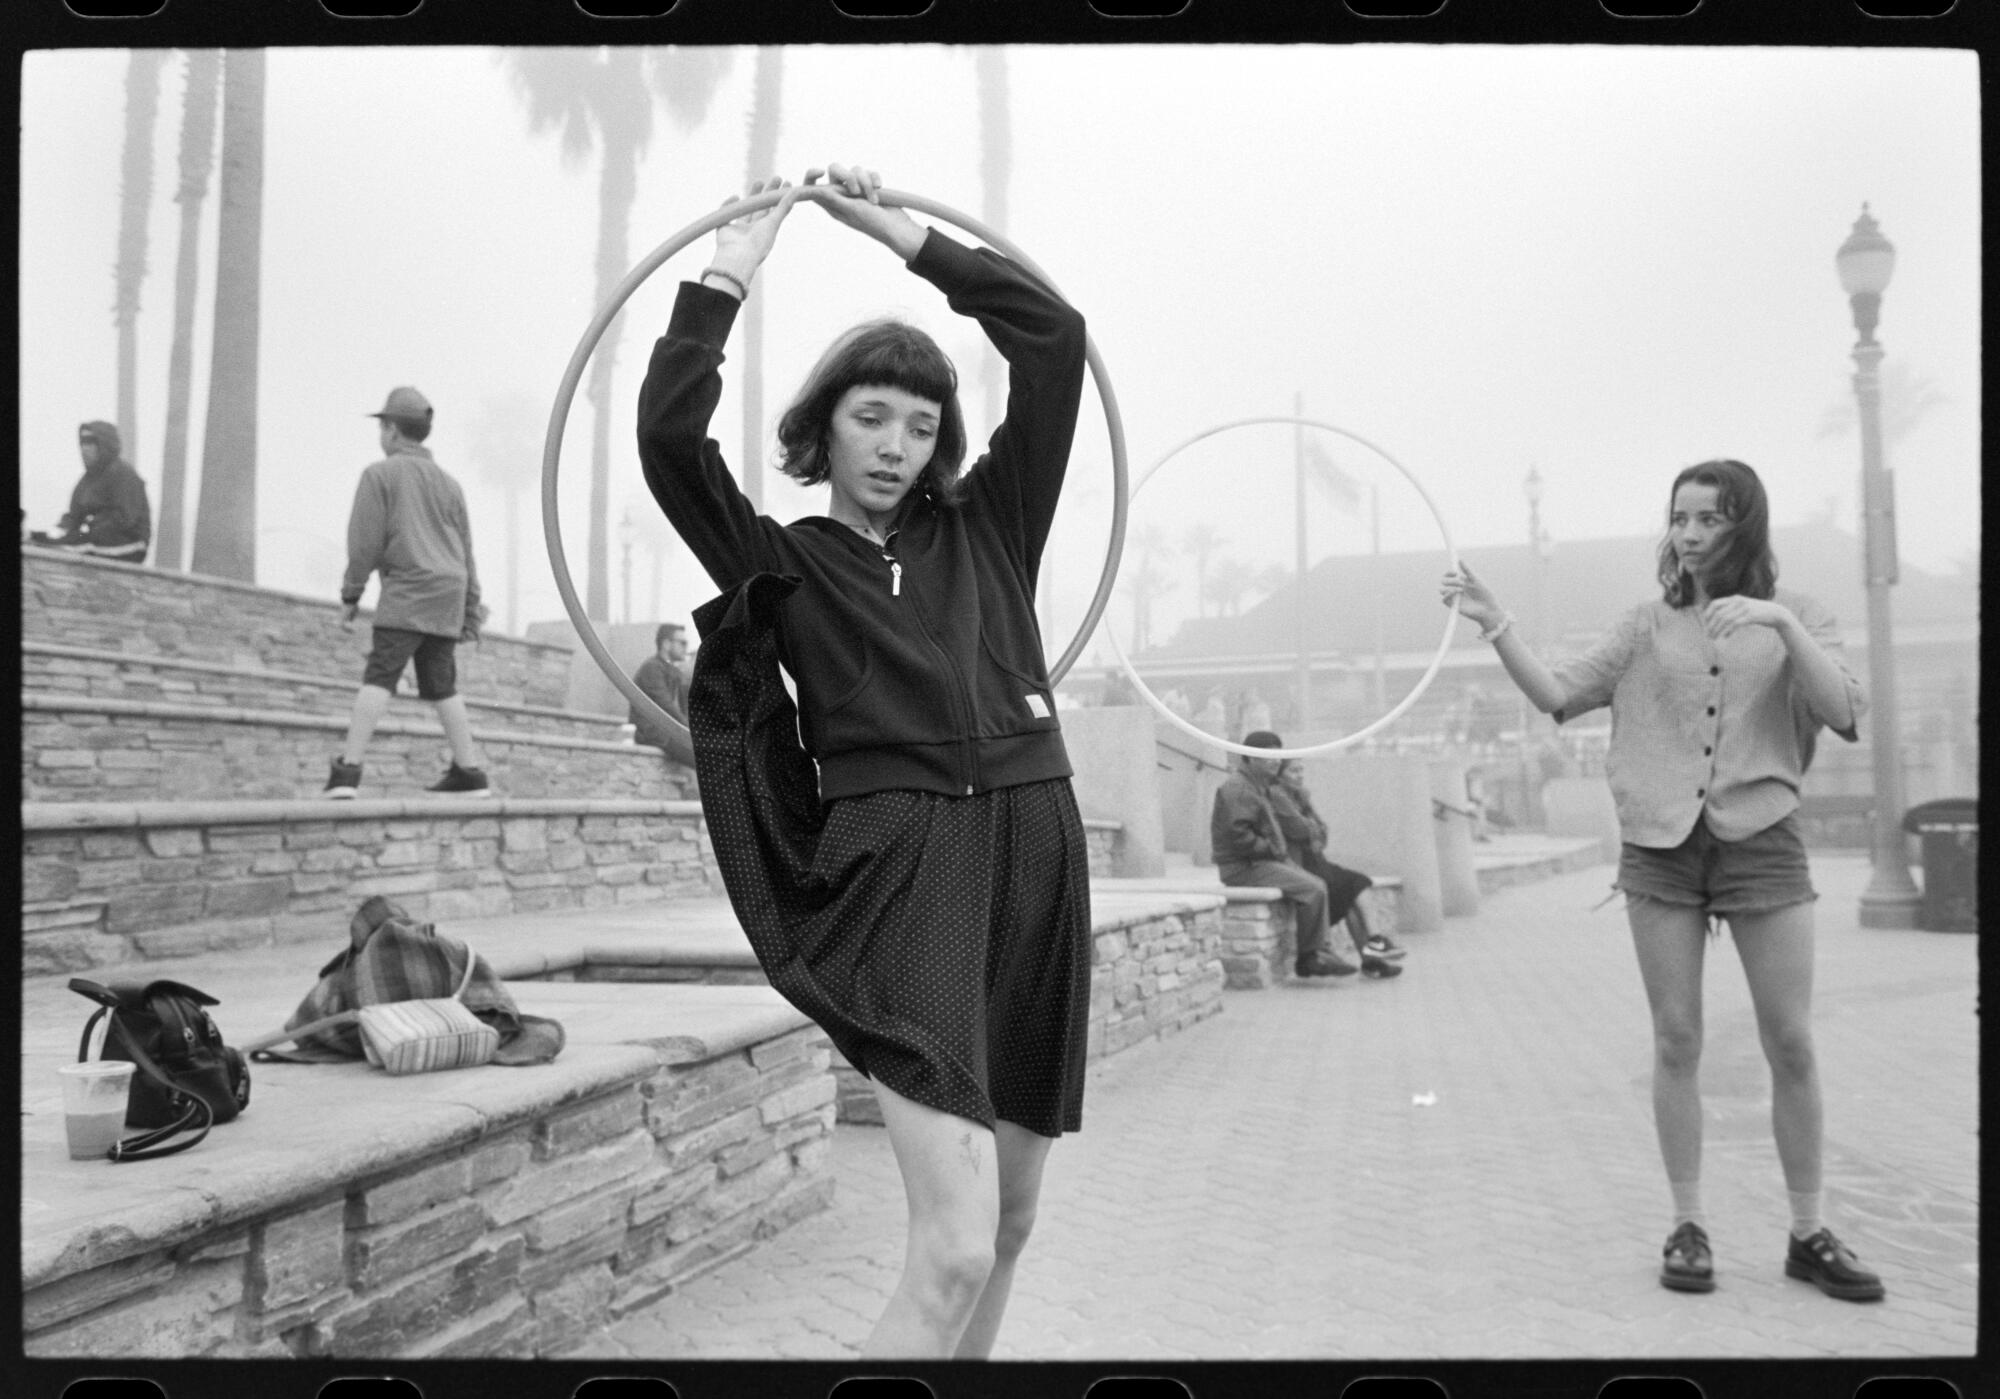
732, 210
1444, 645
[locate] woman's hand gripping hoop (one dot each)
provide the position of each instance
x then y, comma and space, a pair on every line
646, 266
1444, 645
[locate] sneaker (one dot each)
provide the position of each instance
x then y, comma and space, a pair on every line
1379, 946
1688, 1266
1323, 963
343, 783
470, 782
1379, 967
1829, 1265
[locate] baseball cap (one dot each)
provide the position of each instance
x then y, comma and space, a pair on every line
1262, 738
405, 402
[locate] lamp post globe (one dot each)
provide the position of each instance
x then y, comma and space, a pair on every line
1864, 263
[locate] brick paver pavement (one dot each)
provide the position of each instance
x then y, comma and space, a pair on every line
1456, 1164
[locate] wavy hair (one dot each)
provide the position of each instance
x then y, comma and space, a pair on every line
1745, 565
887, 353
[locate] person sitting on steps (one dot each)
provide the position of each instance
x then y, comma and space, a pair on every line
1250, 849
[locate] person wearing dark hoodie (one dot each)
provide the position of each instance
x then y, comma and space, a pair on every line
903, 847
108, 512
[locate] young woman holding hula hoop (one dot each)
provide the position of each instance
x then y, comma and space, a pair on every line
903, 849
1716, 692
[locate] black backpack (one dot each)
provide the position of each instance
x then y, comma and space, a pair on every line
187, 1079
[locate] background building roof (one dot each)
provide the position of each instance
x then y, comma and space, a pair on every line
1590, 582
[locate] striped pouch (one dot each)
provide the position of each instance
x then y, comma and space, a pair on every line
414, 1037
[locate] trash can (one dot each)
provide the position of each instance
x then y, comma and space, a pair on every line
1949, 833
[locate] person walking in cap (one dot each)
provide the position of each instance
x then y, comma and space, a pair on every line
409, 524
1249, 846
108, 513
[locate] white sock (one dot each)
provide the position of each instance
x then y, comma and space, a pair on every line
1805, 1213
1687, 1201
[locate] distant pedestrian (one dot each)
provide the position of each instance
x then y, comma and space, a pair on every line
409, 523
108, 512
1717, 692
1247, 839
903, 847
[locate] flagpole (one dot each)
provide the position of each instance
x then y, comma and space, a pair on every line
1375, 535
1299, 605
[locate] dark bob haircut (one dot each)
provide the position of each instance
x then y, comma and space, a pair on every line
887, 353
1746, 566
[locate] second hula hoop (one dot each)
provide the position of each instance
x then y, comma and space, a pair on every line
1331, 745
644, 268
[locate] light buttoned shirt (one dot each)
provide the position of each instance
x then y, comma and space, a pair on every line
1704, 728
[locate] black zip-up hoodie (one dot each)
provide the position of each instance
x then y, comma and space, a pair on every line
918, 663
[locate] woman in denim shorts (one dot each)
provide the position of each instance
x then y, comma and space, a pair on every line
1717, 691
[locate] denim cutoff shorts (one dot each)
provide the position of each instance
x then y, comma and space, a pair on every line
1757, 874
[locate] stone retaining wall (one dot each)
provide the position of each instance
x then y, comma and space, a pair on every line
79, 671
78, 748
1154, 977
1260, 938
82, 601
518, 1244
105, 884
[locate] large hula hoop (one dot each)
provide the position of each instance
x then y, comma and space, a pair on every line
645, 267
1444, 645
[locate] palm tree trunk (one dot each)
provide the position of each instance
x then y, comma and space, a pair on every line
225, 533
766, 92
197, 158
617, 185
135, 202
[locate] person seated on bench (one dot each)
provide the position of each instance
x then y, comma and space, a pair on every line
1305, 839
1249, 847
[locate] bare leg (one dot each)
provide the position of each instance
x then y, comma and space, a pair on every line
1669, 942
952, 1181
371, 702
1777, 953
1022, 1154
457, 730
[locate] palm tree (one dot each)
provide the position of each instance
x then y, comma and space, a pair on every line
600, 100
1229, 578
1147, 580
505, 449
1907, 399
1201, 539
135, 202
225, 531
765, 93
204, 73
996, 166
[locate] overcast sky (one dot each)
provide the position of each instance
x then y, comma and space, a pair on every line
1603, 262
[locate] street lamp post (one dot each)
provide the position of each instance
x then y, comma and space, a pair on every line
1864, 263
627, 532
1538, 538
1531, 487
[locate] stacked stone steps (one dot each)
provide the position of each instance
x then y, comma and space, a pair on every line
83, 748
77, 600
86, 672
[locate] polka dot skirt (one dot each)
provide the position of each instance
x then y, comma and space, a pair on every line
942, 942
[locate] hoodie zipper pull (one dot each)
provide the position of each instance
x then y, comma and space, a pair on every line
895, 577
